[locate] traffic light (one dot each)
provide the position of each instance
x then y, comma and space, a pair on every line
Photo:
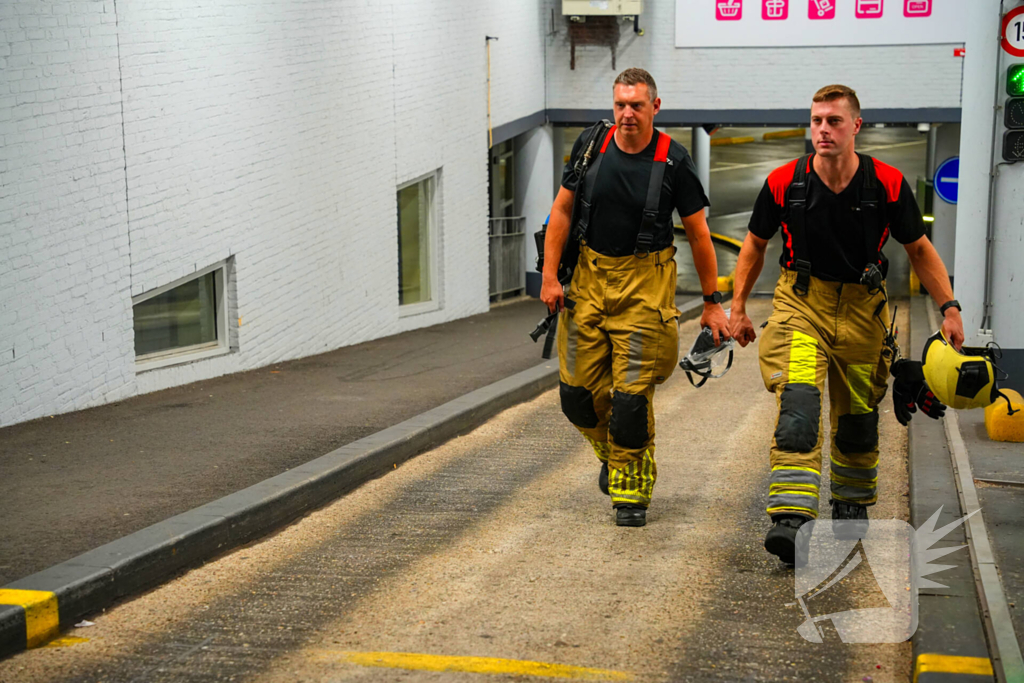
1013, 145
1015, 80
1013, 114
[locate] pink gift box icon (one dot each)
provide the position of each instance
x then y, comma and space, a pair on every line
868, 9
821, 9
917, 8
774, 10
729, 10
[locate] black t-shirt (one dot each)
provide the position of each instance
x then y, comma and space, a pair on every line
620, 193
838, 247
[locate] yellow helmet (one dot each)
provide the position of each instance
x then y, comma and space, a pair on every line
962, 381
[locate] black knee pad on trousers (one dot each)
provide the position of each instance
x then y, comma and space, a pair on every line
857, 433
578, 405
799, 413
628, 424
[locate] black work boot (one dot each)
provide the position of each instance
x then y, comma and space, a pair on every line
630, 515
781, 538
602, 479
850, 520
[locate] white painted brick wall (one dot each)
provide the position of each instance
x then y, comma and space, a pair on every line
274, 132
65, 313
747, 78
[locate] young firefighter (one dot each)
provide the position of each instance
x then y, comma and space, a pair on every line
619, 336
836, 209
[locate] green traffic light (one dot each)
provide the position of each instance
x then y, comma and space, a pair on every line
1015, 80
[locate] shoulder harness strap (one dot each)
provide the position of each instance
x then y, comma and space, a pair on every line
645, 238
589, 179
869, 200
796, 200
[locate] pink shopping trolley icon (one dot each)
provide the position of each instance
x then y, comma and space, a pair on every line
729, 10
917, 8
868, 9
821, 9
775, 10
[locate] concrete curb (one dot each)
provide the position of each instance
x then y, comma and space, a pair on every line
950, 628
94, 580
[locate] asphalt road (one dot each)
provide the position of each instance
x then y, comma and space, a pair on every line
499, 545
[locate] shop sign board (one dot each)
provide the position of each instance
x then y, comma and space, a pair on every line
802, 23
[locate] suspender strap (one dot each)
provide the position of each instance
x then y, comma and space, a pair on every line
796, 199
589, 179
645, 238
869, 201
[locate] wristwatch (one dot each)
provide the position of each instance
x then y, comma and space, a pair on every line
952, 303
715, 298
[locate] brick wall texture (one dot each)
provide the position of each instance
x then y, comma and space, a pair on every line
143, 140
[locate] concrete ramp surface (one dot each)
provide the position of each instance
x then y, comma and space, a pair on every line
495, 557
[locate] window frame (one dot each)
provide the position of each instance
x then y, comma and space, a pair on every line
189, 354
433, 241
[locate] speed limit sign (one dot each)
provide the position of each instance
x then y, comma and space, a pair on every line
1013, 32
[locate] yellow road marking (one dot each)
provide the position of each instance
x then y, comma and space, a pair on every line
948, 664
717, 142
41, 621
478, 665
66, 641
782, 134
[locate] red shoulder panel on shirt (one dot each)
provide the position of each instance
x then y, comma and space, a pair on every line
779, 181
661, 151
890, 178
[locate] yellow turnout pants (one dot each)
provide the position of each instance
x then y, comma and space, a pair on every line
831, 333
617, 343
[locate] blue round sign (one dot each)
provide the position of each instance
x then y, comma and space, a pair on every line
947, 180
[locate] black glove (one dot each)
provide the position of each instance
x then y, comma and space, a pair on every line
910, 392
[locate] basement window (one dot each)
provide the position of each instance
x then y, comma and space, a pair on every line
183, 321
417, 246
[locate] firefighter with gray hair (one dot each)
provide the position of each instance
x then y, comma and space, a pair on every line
611, 227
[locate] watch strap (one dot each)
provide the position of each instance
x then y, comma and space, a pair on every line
952, 303
715, 297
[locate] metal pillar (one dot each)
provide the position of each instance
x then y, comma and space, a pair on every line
946, 144
701, 152
535, 165
976, 160
933, 141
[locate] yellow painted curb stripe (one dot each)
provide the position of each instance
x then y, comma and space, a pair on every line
41, 620
479, 665
780, 134
948, 664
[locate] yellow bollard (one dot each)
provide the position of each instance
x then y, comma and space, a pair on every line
915, 283
1003, 427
